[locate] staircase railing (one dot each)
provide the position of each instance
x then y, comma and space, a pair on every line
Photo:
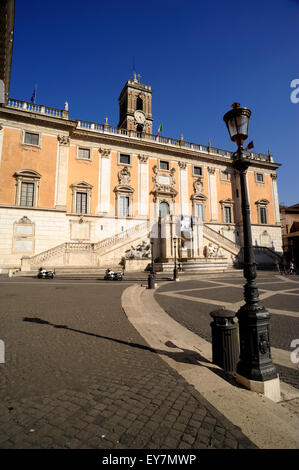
121, 236
88, 246
216, 237
44, 255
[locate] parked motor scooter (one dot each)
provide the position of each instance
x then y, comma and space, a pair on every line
112, 276
44, 274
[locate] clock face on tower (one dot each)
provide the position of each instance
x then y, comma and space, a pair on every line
139, 117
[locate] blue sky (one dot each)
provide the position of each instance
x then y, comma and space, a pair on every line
198, 56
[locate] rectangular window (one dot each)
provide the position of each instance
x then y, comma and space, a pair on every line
259, 177
263, 215
199, 211
164, 165
197, 170
27, 194
81, 203
124, 206
84, 153
125, 159
30, 138
225, 176
227, 214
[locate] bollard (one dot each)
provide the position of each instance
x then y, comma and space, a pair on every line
225, 345
150, 281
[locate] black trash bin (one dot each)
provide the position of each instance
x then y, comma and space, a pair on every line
225, 344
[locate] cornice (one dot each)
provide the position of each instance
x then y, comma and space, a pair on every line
33, 118
133, 143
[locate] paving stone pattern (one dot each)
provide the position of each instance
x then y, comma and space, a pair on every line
78, 375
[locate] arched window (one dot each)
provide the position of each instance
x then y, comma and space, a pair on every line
164, 209
139, 103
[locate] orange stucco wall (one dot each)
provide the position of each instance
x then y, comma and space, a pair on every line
16, 157
260, 191
224, 191
205, 189
115, 168
83, 170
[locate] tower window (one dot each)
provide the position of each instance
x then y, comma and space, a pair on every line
139, 103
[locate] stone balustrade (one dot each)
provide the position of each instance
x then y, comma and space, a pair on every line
107, 129
37, 108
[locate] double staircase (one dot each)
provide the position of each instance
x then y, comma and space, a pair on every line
87, 255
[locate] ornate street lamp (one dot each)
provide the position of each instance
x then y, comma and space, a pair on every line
175, 271
255, 362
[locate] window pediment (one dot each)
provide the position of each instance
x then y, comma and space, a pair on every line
27, 174
123, 188
82, 185
262, 202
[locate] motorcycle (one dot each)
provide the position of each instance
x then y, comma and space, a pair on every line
112, 276
44, 274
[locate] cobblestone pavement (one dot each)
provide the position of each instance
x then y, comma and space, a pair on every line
78, 375
190, 303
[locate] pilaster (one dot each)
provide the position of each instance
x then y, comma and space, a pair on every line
104, 181
62, 172
213, 194
275, 198
183, 182
143, 185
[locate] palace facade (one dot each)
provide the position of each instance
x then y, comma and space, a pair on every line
82, 194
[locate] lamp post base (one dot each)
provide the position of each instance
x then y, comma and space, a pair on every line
255, 353
269, 388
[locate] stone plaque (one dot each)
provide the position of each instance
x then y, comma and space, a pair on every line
24, 229
163, 179
80, 231
23, 245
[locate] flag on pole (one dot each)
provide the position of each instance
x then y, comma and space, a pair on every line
249, 146
159, 130
33, 97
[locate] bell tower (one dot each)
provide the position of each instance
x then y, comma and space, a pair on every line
135, 106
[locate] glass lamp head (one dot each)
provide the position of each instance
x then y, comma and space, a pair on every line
237, 122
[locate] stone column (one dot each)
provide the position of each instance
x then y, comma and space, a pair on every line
143, 185
104, 181
183, 182
213, 195
62, 172
275, 198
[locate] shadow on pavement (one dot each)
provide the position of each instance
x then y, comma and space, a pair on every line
185, 356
